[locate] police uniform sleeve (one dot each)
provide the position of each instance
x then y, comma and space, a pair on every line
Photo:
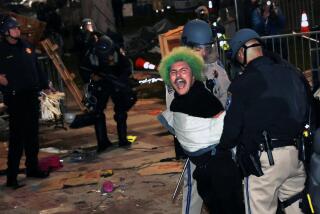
224, 83
233, 121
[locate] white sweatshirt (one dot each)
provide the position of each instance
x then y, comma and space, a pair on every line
196, 133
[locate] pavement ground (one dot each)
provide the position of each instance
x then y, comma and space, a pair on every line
135, 191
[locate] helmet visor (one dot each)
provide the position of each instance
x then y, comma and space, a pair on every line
208, 52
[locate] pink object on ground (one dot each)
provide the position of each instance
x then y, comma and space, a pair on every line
50, 163
107, 186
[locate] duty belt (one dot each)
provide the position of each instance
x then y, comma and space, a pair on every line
276, 143
270, 143
22, 92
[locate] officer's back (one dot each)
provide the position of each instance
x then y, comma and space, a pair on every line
273, 93
269, 98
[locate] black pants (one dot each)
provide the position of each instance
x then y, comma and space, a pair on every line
219, 184
23, 109
120, 100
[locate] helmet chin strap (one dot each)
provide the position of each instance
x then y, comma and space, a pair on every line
244, 63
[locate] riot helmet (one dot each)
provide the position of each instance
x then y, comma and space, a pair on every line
240, 39
87, 24
196, 32
105, 50
7, 23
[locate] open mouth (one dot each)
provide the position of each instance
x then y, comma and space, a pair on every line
180, 83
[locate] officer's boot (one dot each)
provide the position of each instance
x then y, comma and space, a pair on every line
101, 133
122, 129
12, 182
14, 154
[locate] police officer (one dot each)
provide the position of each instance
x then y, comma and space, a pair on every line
267, 109
89, 33
86, 41
197, 35
20, 82
110, 78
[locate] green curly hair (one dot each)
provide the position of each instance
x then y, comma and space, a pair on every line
185, 54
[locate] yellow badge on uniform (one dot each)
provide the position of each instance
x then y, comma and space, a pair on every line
28, 50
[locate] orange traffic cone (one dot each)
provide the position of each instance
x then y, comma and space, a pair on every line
304, 22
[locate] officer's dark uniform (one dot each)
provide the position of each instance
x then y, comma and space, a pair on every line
86, 40
118, 89
269, 96
277, 104
18, 62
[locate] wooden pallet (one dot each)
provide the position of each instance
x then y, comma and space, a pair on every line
52, 51
170, 40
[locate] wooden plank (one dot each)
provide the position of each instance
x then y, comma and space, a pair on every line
67, 77
162, 168
86, 179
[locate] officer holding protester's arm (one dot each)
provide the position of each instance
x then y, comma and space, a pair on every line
266, 113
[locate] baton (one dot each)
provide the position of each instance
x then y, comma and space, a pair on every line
176, 191
268, 148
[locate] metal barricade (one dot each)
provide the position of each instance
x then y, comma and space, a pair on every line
300, 49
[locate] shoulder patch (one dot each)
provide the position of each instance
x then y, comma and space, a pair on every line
170, 90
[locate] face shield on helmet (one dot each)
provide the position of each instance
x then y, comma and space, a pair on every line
209, 53
105, 51
87, 25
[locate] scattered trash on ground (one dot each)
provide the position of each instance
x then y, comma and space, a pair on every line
106, 173
50, 163
107, 187
53, 150
161, 168
131, 138
80, 155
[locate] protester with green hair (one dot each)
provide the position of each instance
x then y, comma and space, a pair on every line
198, 122
195, 62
